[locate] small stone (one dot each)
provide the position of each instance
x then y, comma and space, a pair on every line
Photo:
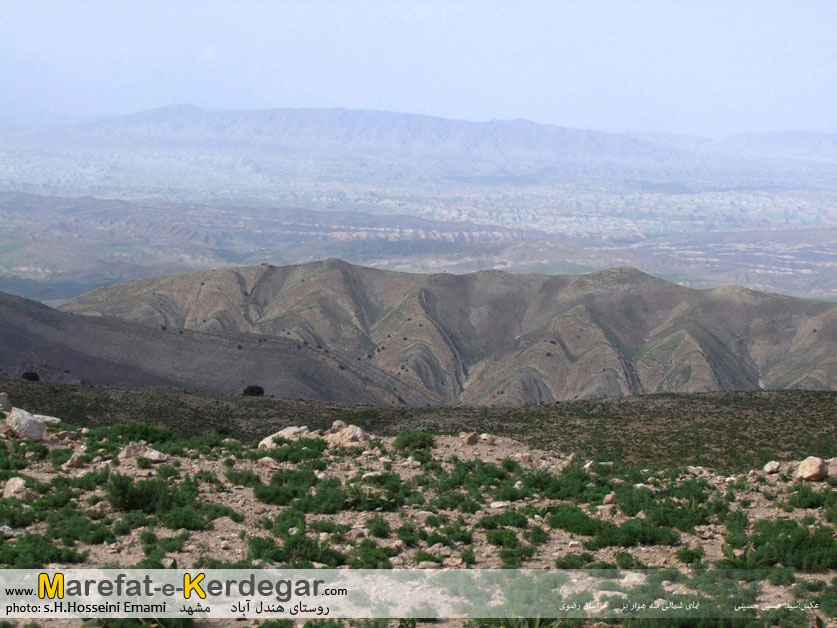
427, 564
267, 461
589, 466
499, 504
6, 531
812, 468
292, 531
524, 458
572, 457
610, 498
488, 439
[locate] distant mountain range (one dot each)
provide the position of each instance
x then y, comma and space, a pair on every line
184, 152
328, 329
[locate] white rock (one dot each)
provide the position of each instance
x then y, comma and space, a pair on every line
294, 432
16, 488
488, 439
423, 515
350, 437
47, 419
25, 425
812, 468
771, 467
499, 504
7, 532
155, 456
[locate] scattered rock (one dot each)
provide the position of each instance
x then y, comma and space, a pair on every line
524, 458
141, 450
572, 458
588, 466
25, 425
771, 467
423, 515
6, 531
610, 498
499, 504
155, 456
267, 461
75, 462
15, 488
294, 432
470, 438
812, 468
349, 437
67, 435
488, 439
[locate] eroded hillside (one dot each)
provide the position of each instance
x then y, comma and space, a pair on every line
492, 338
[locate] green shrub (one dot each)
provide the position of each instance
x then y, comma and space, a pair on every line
244, 477
285, 486
32, 551
502, 538
378, 527
413, 439
574, 520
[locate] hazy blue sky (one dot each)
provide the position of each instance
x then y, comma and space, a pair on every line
709, 68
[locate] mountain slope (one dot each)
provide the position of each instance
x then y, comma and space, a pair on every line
495, 338
65, 347
185, 152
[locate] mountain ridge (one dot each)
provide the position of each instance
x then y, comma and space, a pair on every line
491, 337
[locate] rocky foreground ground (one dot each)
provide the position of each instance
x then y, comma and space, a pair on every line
140, 495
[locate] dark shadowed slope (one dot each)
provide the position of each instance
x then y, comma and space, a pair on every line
67, 347
496, 338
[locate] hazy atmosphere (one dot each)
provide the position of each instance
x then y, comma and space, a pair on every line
700, 68
473, 285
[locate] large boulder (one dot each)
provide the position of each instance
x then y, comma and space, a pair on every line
812, 468
347, 436
44, 418
15, 488
25, 425
294, 432
771, 467
141, 450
